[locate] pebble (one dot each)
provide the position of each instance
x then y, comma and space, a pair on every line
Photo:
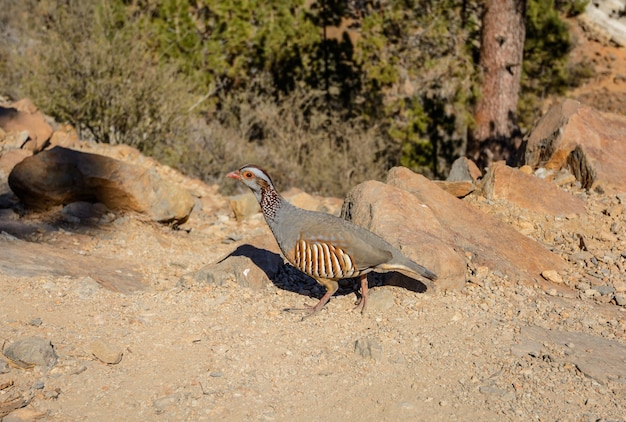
620, 299
105, 352
35, 322
553, 276
368, 348
164, 403
604, 290
584, 286
580, 256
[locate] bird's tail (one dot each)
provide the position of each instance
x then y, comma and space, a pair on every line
402, 263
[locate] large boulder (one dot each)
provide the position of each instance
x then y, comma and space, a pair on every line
402, 219
489, 241
591, 144
60, 176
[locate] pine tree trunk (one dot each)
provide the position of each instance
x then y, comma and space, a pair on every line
496, 135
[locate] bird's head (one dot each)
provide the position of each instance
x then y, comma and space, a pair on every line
254, 177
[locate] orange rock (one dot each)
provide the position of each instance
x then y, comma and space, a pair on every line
491, 242
590, 143
528, 191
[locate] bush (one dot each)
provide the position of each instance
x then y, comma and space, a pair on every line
546, 69
101, 78
299, 145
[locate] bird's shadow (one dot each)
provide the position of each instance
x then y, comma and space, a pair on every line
286, 277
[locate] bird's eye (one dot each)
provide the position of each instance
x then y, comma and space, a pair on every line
248, 174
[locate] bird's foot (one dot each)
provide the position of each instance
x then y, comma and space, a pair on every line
360, 304
309, 311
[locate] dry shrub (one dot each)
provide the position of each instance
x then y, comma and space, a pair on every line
104, 80
295, 142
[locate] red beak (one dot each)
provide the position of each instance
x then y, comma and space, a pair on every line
234, 175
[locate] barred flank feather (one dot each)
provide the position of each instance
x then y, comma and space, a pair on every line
323, 260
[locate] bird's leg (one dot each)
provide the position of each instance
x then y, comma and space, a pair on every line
331, 288
362, 302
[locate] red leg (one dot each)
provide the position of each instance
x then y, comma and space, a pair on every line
331, 288
362, 302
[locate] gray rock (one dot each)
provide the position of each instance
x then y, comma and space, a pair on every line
594, 356
162, 404
31, 351
87, 287
463, 169
604, 290
500, 393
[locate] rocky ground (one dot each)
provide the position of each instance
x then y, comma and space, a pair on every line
186, 350
130, 328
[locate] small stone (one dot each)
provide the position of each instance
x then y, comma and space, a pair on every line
491, 390
368, 348
584, 286
35, 322
604, 290
580, 256
164, 403
87, 287
105, 352
620, 299
552, 276
481, 272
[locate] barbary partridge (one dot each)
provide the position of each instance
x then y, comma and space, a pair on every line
321, 245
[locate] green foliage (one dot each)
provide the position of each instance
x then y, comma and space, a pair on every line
205, 85
102, 79
224, 44
571, 7
417, 59
546, 70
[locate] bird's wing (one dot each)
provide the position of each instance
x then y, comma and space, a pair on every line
364, 248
